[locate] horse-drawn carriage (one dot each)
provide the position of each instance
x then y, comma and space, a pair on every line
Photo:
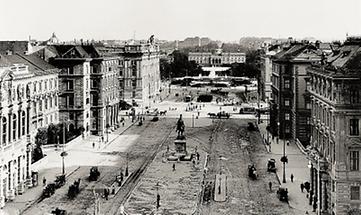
94, 174
271, 165
252, 172
282, 194
49, 190
59, 181
58, 211
74, 189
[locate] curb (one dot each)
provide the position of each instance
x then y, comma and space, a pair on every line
301, 147
118, 135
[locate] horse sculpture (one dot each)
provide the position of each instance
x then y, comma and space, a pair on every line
180, 127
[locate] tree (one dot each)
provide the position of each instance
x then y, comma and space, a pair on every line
41, 138
52, 134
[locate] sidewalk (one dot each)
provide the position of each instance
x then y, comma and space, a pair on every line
49, 169
297, 165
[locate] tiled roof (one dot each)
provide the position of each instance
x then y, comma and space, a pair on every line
35, 64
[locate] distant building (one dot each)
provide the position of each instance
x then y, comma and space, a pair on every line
290, 103
140, 76
216, 59
335, 89
28, 92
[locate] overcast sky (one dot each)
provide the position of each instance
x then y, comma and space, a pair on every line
226, 20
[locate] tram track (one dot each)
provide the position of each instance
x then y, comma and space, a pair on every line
134, 178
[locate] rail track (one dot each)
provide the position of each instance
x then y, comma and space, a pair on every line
135, 176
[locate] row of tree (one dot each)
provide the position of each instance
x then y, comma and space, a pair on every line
53, 134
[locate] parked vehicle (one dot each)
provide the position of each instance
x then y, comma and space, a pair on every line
58, 211
223, 114
251, 127
74, 189
271, 165
247, 110
49, 190
282, 194
212, 115
252, 172
94, 174
59, 181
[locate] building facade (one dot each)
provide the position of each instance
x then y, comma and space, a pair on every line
290, 104
28, 93
217, 59
265, 81
140, 76
89, 99
336, 139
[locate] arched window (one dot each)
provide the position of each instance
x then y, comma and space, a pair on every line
23, 118
4, 130
14, 127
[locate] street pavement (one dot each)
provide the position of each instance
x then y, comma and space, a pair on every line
79, 153
297, 165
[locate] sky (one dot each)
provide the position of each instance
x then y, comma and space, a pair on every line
226, 20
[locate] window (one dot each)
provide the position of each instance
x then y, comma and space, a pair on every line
70, 100
287, 102
354, 96
308, 105
14, 127
287, 83
46, 104
354, 127
287, 116
287, 129
71, 116
40, 105
23, 123
354, 160
133, 94
4, 133
355, 193
70, 85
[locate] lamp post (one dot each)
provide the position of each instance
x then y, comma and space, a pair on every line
284, 159
126, 168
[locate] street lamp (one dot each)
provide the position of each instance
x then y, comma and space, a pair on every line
63, 154
284, 159
126, 168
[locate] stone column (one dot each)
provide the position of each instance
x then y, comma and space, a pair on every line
20, 172
11, 191
324, 195
29, 182
2, 197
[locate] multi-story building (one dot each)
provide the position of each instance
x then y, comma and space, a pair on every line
217, 59
140, 77
265, 81
290, 104
28, 92
336, 139
89, 99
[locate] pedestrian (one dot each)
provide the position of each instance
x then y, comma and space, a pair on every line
292, 177
123, 123
44, 181
288, 143
173, 166
306, 212
102, 139
93, 145
198, 156
158, 200
270, 186
302, 187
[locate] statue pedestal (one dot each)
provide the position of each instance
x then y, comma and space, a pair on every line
180, 146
